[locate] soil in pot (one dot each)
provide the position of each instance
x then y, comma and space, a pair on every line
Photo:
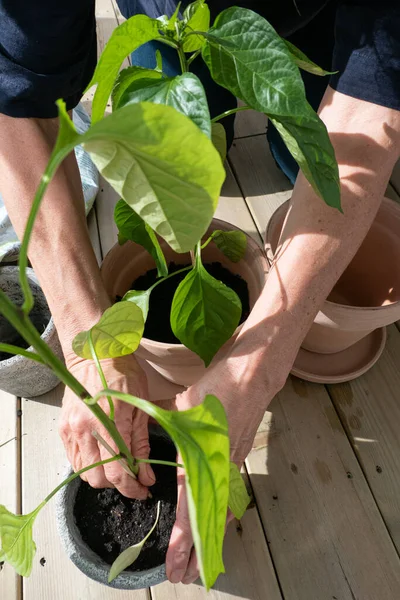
109, 523
9, 335
158, 326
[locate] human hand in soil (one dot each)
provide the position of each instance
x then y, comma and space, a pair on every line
77, 423
240, 380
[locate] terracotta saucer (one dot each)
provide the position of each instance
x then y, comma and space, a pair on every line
341, 366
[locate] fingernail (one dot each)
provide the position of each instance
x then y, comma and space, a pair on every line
150, 473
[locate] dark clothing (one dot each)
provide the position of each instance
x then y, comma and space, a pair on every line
48, 49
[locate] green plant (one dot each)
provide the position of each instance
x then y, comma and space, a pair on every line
162, 154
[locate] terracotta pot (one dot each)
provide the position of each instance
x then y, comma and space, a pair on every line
124, 264
367, 296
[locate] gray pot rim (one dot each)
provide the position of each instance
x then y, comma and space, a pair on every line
48, 332
87, 561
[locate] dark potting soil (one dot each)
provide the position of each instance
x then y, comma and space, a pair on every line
9, 335
109, 523
158, 326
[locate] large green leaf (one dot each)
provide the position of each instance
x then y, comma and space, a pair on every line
246, 55
231, 243
304, 63
132, 227
131, 554
17, 545
201, 436
306, 139
183, 92
239, 499
163, 166
205, 313
141, 298
197, 18
118, 333
126, 38
127, 77
218, 136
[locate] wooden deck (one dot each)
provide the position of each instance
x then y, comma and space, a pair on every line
325, 467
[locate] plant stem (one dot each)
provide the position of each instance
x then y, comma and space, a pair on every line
101, 374
167, 277
227, 113
207, 242
182, 59
193, 57
78, 474
107, 446
167, 463
10, 349
25, 327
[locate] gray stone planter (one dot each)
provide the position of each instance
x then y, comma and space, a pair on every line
19, 375
83, 557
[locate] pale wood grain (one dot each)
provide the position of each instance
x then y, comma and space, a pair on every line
369, 408
264, 186
44, 463
249, 123
326, 535
9, 483
249, 571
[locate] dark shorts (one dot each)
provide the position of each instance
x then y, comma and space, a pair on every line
48, 49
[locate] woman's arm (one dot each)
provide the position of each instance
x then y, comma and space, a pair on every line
63, 259
317, 244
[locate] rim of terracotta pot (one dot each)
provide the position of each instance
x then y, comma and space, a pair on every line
83, 557
338, 307
215, 224
50, 327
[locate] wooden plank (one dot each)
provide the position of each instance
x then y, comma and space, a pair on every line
326, 535
249, 123
249, 571
264, 186
58, 578
9, 484
369, 408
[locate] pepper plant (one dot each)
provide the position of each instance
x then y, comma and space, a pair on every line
163, 154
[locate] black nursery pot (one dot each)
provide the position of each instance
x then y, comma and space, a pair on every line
95, 526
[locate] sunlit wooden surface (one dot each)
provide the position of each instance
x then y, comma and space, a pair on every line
325, 467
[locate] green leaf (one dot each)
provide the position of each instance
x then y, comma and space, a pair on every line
201, 436
239, 499
127, 77
308, 142
246, 55
159, 62
231, 243
17, 545
141, 298
204, 313
163, 166
197, 18
128, 556
132, 227
118, 333
304, 63
218, 136
126, 38
174, 19
184, 92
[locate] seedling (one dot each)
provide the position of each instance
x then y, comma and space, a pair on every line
162, 153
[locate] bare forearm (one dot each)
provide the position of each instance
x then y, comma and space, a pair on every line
60, 248
318, 242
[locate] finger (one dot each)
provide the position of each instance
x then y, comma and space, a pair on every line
192, 572
115, 474
88, 455
181, 542
141, 447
